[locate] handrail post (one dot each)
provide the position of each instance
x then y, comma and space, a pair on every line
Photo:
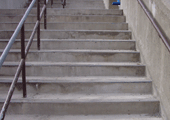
64, 3
45, 15
38, 29
51, 3
23, 57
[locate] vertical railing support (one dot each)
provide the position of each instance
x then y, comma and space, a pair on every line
63, 3
23, 57
51, 3
45, 15
38, 29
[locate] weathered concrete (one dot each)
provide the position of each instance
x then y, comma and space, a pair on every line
76, 56
108, 4
67, 18
80, 85
155, 55
81, 44
70, 26
83, 117
56, 11
61, 69
12, 4
77, 34
79, 5
104, 104
82, 67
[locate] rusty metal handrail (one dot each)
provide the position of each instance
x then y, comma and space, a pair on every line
63, 3
24, 51
161, 34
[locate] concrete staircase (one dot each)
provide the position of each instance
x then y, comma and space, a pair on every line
88, 67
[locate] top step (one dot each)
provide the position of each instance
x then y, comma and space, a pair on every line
83, 4
80, 5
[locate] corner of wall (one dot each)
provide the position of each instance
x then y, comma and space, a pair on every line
108, 4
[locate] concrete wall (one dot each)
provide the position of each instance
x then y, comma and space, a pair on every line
12, 4
108, 3
154, 53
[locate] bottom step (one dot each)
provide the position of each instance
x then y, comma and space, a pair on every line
74, 104
77, 117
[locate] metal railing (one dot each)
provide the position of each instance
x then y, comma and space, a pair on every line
156, 26
24, 51
62, 1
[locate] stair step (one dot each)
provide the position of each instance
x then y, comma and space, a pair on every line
80, 85
63, 44
75, 69
81, 34
69, 26
68, 18
88, 67
72, 0
77, 2
73, 104
58, 11
76, 56
78, 5
82, 117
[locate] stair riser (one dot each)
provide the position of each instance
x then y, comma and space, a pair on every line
63, 70
79, 5
73, 0
84, 12
89, 108
76, 3
70, 26
84, 117
54, 11
62, 45
73, 34
81, 88
113, 19
76, 57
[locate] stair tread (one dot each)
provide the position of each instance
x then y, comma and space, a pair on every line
69, 98
76, 63
67, 23
32, 15
74, 30
74, 50
79, 40
87, 79
24, 9
82, 117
